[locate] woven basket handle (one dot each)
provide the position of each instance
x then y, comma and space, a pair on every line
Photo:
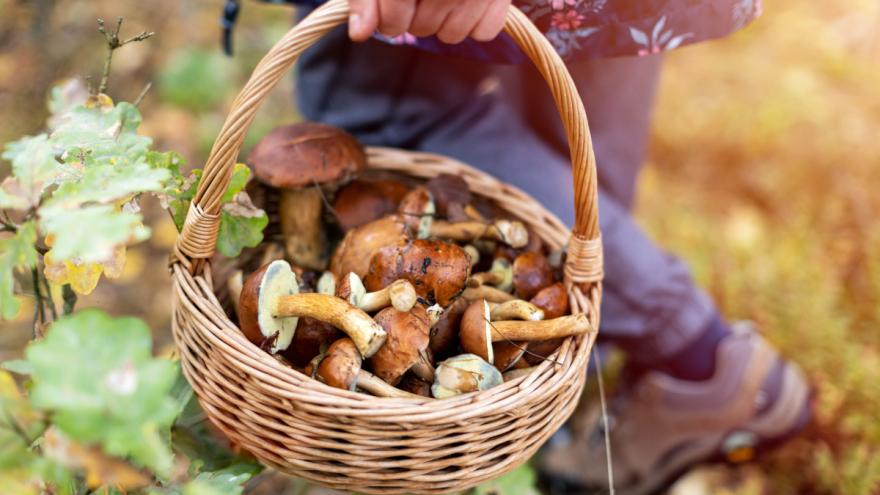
199, 235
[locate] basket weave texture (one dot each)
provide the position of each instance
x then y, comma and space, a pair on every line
352, 441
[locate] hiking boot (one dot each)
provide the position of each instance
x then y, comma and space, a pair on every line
661, 427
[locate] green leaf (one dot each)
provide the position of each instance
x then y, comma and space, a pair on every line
90, 233
520, 481
241, 174
228, 481
91, 135
241, 226
106, 183
19, 366
16, 253
97, 377
34, 168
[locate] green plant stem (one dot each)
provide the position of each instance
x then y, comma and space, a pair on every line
69, 297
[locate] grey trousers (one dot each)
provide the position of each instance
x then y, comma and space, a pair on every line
502, 120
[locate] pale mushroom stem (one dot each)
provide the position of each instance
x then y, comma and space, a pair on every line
376, 386
367, 335
235, 284
401, 294
516, 310
564, 326
304, 239
512, 233
488, 293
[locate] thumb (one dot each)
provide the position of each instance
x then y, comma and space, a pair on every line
363, 19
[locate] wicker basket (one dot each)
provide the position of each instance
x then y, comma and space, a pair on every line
356, 442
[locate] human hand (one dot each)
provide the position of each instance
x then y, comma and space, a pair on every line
451, 20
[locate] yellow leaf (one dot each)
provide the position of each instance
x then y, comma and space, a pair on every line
83, 277
100, 468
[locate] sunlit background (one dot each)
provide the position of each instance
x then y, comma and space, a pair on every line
764, 174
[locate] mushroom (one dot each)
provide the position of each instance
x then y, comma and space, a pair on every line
358, 246
438, 270
326, 284
515, 310
417, 211
473, 253
462, 374
406, 347
553, 300
500, 275
451, 195
299, 159
510, 253
415, 385
361, 202
478, 331
488, 293
233, 285
511, 232
271, 304
508, 354
444, 333
400, 294
531, 273
340, 367
310, 339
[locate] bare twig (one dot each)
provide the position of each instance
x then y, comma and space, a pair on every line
602, 404
113, 43
50, 299
140, 98
39, 312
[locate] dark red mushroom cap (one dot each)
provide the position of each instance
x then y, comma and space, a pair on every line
300, 155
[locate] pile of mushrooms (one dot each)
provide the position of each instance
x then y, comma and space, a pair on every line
394, 287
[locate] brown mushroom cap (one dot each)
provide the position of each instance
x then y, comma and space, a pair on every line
444, 333
302, 154
531, 273
417, 210
448, 191
310, 337
505, 251
340, 365
358, 246
476, 332
553, 299
406, 344
542, 349
415, 385
508, 354
361, 202
437, 269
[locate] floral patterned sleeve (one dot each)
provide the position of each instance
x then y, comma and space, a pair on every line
609, 28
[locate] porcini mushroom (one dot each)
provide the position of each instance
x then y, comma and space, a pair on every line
271, 304
444, 333
358, 246
531, 273
406, 347
511, 232
326, 284
415, 385
462, 374
508, 354
340, 367
310, 338
400, 294
488, 293
361, 202
417, 211
451, 195
297, 159
553, 300
499, 275
438, 270
478, 331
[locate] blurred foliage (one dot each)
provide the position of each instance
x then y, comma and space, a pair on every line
764, 164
